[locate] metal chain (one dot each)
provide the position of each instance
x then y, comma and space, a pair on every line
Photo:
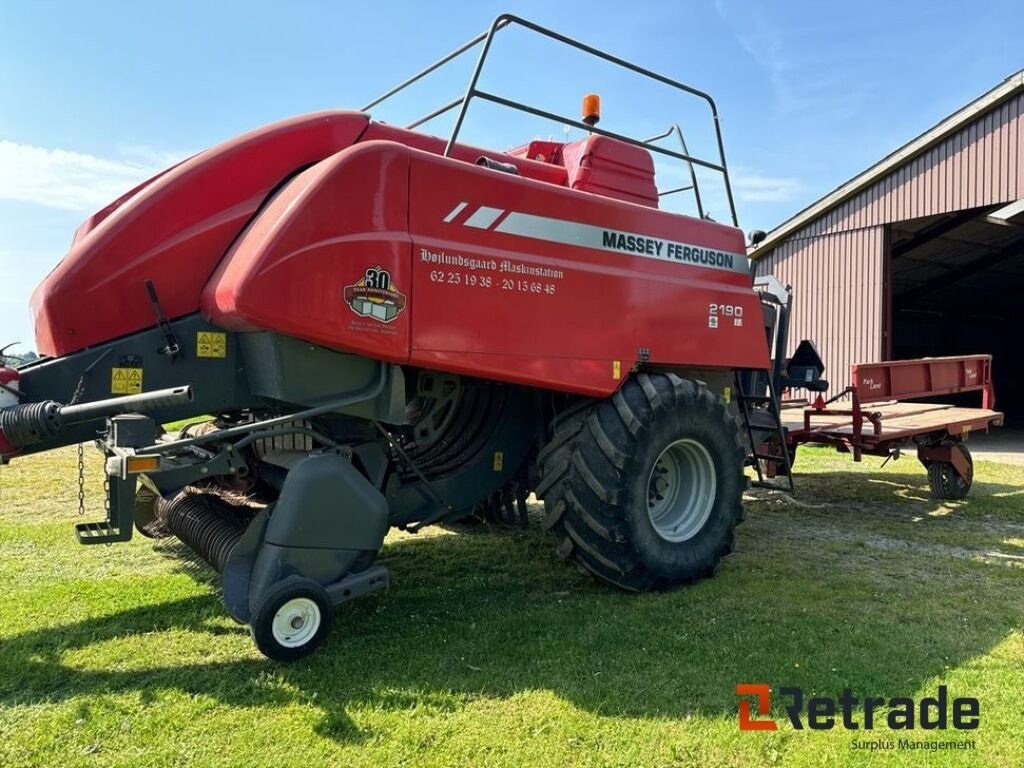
81, 480
81, 485
79, 392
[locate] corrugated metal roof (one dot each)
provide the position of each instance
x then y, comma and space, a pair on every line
1005, 90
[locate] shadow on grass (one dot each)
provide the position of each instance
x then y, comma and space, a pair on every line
495, 614
897, 503
896, 486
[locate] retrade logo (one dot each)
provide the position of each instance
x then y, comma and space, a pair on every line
823, 713
762, 692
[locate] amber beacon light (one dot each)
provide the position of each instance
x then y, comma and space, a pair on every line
591, 108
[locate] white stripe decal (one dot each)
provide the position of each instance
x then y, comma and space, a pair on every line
455, 212
483, 217
616, 241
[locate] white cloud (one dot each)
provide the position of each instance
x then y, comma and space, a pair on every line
806, 79
766, 189
148, 156
73, 181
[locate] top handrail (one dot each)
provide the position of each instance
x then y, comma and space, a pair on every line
472, 91
674, 128
423, 73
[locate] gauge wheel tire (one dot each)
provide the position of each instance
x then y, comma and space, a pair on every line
292, 620
644, 489
945, 482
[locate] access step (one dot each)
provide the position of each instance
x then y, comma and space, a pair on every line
772, 486
101, 533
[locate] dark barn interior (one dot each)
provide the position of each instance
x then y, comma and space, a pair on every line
956, 285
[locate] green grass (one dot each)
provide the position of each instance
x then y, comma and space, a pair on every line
487, 650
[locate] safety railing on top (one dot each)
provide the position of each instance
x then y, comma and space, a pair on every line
474, 92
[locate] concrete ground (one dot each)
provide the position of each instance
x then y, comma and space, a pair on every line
1002, 444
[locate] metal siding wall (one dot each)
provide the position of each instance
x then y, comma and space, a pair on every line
835, 263
979, 165
837, 296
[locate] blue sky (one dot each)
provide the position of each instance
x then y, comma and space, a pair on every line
96, 97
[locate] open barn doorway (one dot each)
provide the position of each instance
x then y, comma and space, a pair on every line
956, 287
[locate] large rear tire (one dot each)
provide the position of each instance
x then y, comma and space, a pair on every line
644, 489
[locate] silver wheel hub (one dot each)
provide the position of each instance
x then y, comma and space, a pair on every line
681, 490
296, 622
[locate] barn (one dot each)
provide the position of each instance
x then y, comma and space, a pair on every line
920, 255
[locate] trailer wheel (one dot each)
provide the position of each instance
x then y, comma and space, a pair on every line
292, 619
945, 482
644, 489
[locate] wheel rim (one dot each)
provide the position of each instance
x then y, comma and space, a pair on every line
681, 490
296, 622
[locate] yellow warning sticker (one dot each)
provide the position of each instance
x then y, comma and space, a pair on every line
125, 381
499, 461
727, 394
616, 369
211, 344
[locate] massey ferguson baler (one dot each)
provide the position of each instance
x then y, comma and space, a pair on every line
390, 329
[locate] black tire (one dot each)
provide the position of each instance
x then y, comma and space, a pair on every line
944, 481
597, 470
313, 597
554, 461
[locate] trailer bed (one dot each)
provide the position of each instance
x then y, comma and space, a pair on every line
891, 422
874, 420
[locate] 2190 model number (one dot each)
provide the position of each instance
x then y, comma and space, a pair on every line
725, 310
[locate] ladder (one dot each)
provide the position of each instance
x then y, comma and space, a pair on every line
765, 411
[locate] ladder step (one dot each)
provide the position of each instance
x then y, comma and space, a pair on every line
762, 419
100, 533
755, 399
773, 486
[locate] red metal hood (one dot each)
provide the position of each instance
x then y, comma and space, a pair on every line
174, 229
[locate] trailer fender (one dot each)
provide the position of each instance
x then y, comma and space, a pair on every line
949, 453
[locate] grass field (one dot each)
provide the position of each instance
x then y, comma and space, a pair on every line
487, 650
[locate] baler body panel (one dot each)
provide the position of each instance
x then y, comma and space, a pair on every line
483, 277
548, 172
534, 309
365, 238
173, 230
292, 268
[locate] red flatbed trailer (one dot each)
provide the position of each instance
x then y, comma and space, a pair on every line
879, 424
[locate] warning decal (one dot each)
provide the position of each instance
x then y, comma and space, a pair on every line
125, 381
211, 344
